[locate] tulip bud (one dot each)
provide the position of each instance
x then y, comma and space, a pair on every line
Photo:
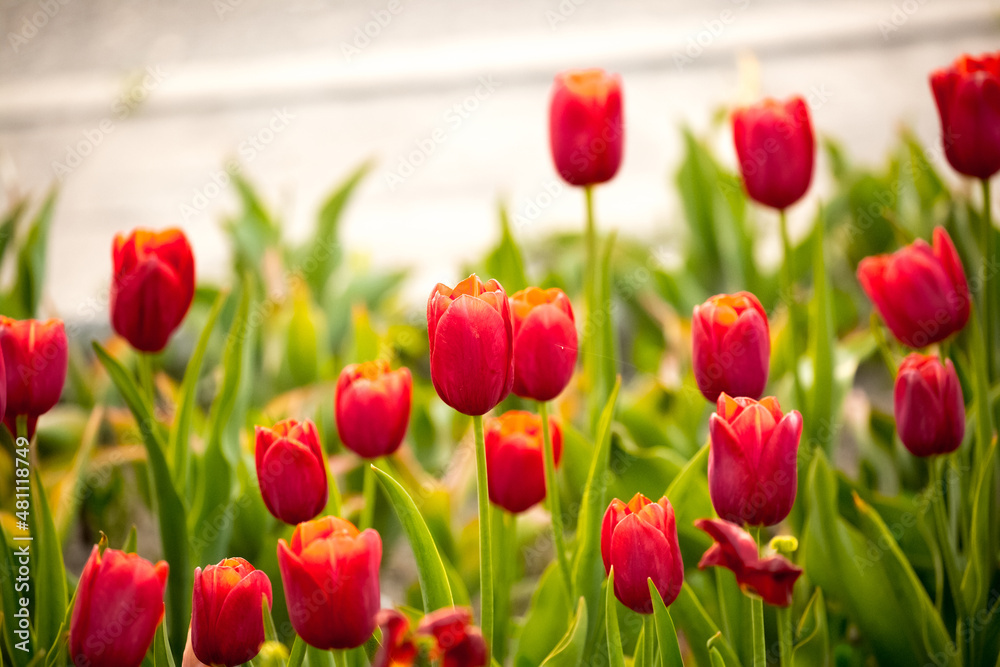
119, 603
929, 407
775, 147
731, 346
639, 540
471, 345
514, 462
227, 624
397, 648
331, 580
373, 408
152, 286
545, 342
458, 642
752, 471
291, 470
35, 358
968, 100
586, 129
919, 291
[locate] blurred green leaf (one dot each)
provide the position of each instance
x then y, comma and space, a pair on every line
615, 656
981, 554
716, 658
670, 650
546, 621
569, 651
301, 340
819, 419
132, 541
505, 262
8, 227
8, 573
298, 653
366, 341
813, 647
699, 629
162, 656
30, 276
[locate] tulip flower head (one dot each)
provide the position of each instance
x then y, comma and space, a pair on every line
397, 648
752, 471
35, 358
771, 578
775, 147
586, 128
514, 459
373, 408
458, 642
471, 345
968, 101
545, 342
291, 470
929, 406
731, 346
227, 625
330, 573
639, 540
119, 603
920, 291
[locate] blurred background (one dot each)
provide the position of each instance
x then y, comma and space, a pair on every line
135, 111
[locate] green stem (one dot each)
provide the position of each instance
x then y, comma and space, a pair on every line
590, 355
989, 285
369, 492
649, 640
320, 658
340, 657
788, 290
883, 345
785, 636
485, 539
21, 426
552, 495
757, 618
144, 366
938, 482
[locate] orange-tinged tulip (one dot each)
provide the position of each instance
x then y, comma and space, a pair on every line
586, 128
545, 342
227, 625
731, 346
458, 642
514, 462
291, 470
968, 101
34, 358
928, 404
373, 408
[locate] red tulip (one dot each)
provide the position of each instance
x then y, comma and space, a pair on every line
152, 287
586, 129
3, 386
331, 579
545, 342
775, 146
119, 603
929, 407
35, 357
227, 625
291, 470
373, 408
919, 291
640, 541
458, 642
752, 472
397, 648
471, 345
771, 578
731, 346
968, 101
514, 463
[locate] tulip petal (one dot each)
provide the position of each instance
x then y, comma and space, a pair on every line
637, 553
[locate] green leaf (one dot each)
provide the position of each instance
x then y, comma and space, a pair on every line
716, 658
31, 260
569, 651
546, 621
270, 632
302, 339
8, 228
981, 562
162, 656
366, 343
298, 653
505, 263
670, 650
616, 657
434, 586
8, 569
699, 628
131, 543
49, 571
813, 647
54, 656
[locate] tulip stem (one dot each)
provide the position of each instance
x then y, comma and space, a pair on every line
552, 496
988, 292
485, 540
144, 367
883, 345
648, 640
590, 357
788, 296
757, 617
369, 492
938, 484
785, 636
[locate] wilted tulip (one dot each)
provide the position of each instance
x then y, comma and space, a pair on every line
471, 345
772, 578
919, 291
119, 603
968, 100
227, 623
731, 346
775, 147
35, 358
291, 470
331, 579
929, 407
514, 462
752, 471
373, 408
152, 286
545, 342
586, 128
457, 642
639, 540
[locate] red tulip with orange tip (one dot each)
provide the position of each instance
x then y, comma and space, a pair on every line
458, 643
731, 346
291, 470
227, 623
545, 342
35, 359
586, 127
152, 286
514, 462
967, 94
928, 405
373, 408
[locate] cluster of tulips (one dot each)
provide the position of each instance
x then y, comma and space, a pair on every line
483, 345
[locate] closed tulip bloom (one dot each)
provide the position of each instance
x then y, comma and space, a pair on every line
471, 345
514, 461
586, 127
771, 578
458, 643
291, 470
752, 471
775, 147
152, 286
920, 291
545, 342
330, 574
227, 625
373, 408
639, 540
731, 346
929, 407
119, 604
35, 358
3, 386
968, 100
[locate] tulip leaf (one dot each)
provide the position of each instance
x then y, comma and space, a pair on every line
569, 651
27, 290
813, 647
366, 342
606, 348
434, 586
50, 573
546, 621
8, 569
8, 228
132, 541
162, 656
270, 632
301, 339
716, 658
616, 656
979, 569
505, 263
298, 653
670, 650
700, 629
54, 656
